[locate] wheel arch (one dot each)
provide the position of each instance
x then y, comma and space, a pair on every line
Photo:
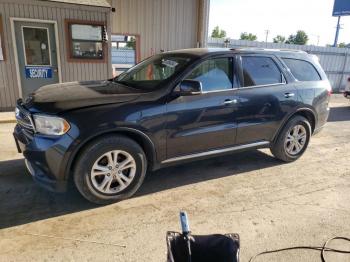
308, 113
136, 135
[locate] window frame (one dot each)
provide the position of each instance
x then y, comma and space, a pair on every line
302, 60
69, 41
274, 59
2, 40
234, 74
48, 43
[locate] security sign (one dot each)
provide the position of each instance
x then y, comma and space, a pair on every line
38, 72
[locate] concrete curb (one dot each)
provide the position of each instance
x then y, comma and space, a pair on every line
8, 121
7, 118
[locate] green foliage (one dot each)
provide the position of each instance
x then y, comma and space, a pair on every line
246, 36
340, 45
300, 38
131, 43
279, 39
218, 33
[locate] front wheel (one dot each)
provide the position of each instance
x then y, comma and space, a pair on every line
293, 139
110, 169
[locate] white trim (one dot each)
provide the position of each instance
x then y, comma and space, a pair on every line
48, 41
54, 22
216, 151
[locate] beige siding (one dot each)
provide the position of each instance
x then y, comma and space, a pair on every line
161, 24
9, 90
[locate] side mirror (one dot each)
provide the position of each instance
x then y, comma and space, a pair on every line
189, 88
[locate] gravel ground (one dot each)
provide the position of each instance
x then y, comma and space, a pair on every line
270, 204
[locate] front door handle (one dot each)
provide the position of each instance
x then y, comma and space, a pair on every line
288, 95
229, 101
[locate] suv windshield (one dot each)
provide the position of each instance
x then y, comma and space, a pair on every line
153, 71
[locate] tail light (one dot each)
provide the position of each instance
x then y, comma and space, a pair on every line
329, 90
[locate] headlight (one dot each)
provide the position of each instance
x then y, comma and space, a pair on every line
50, 125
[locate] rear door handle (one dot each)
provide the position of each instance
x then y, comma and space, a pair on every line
288, 95
230, 101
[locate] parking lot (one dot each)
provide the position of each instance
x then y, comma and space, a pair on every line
269, 203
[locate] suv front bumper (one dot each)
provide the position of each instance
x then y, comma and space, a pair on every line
45, 158
46, 182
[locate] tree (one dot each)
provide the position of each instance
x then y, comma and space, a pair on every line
218, 33
300, 38
340, 45
131, 43
279, 39
246, 36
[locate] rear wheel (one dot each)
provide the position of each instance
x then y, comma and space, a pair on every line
110, 169
293, 140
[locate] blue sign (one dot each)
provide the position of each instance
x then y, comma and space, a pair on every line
38, 72
341, 7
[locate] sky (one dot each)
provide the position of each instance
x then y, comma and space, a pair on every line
280, 17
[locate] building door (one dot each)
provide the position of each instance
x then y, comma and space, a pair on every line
37, 55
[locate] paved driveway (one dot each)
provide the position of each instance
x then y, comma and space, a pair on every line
270, 204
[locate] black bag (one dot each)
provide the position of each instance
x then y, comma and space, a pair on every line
207, 248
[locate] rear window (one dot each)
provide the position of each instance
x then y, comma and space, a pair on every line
260, 71
302, 70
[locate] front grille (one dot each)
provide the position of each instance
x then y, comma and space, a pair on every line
24, 119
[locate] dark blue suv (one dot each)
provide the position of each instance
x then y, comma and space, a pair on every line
172, 107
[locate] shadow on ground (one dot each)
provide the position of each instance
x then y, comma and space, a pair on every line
339, 114
22, 201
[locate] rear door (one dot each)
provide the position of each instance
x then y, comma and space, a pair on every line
264, 98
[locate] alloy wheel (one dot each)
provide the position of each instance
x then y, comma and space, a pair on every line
113, 172
295, 140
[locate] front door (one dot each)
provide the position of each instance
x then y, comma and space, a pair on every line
37, 55
204, 122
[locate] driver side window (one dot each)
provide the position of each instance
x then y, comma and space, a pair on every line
214, 74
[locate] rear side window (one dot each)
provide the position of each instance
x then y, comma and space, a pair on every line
302, 70
260, 71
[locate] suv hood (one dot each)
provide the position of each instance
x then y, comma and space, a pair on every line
67, 96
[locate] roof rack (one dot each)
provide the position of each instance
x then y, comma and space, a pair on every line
266, 49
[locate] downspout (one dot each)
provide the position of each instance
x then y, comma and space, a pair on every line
203, 22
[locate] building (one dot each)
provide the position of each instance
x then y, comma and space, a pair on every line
156, 26
44, 42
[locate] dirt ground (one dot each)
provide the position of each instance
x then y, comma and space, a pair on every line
270, 204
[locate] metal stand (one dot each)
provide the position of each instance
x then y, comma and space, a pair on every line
337, 33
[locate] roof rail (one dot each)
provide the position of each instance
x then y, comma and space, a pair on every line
267, 49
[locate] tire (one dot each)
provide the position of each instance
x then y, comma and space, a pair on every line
100, 186
284, 145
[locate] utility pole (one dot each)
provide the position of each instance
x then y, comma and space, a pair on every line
337, 33
318, 39
267, 34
